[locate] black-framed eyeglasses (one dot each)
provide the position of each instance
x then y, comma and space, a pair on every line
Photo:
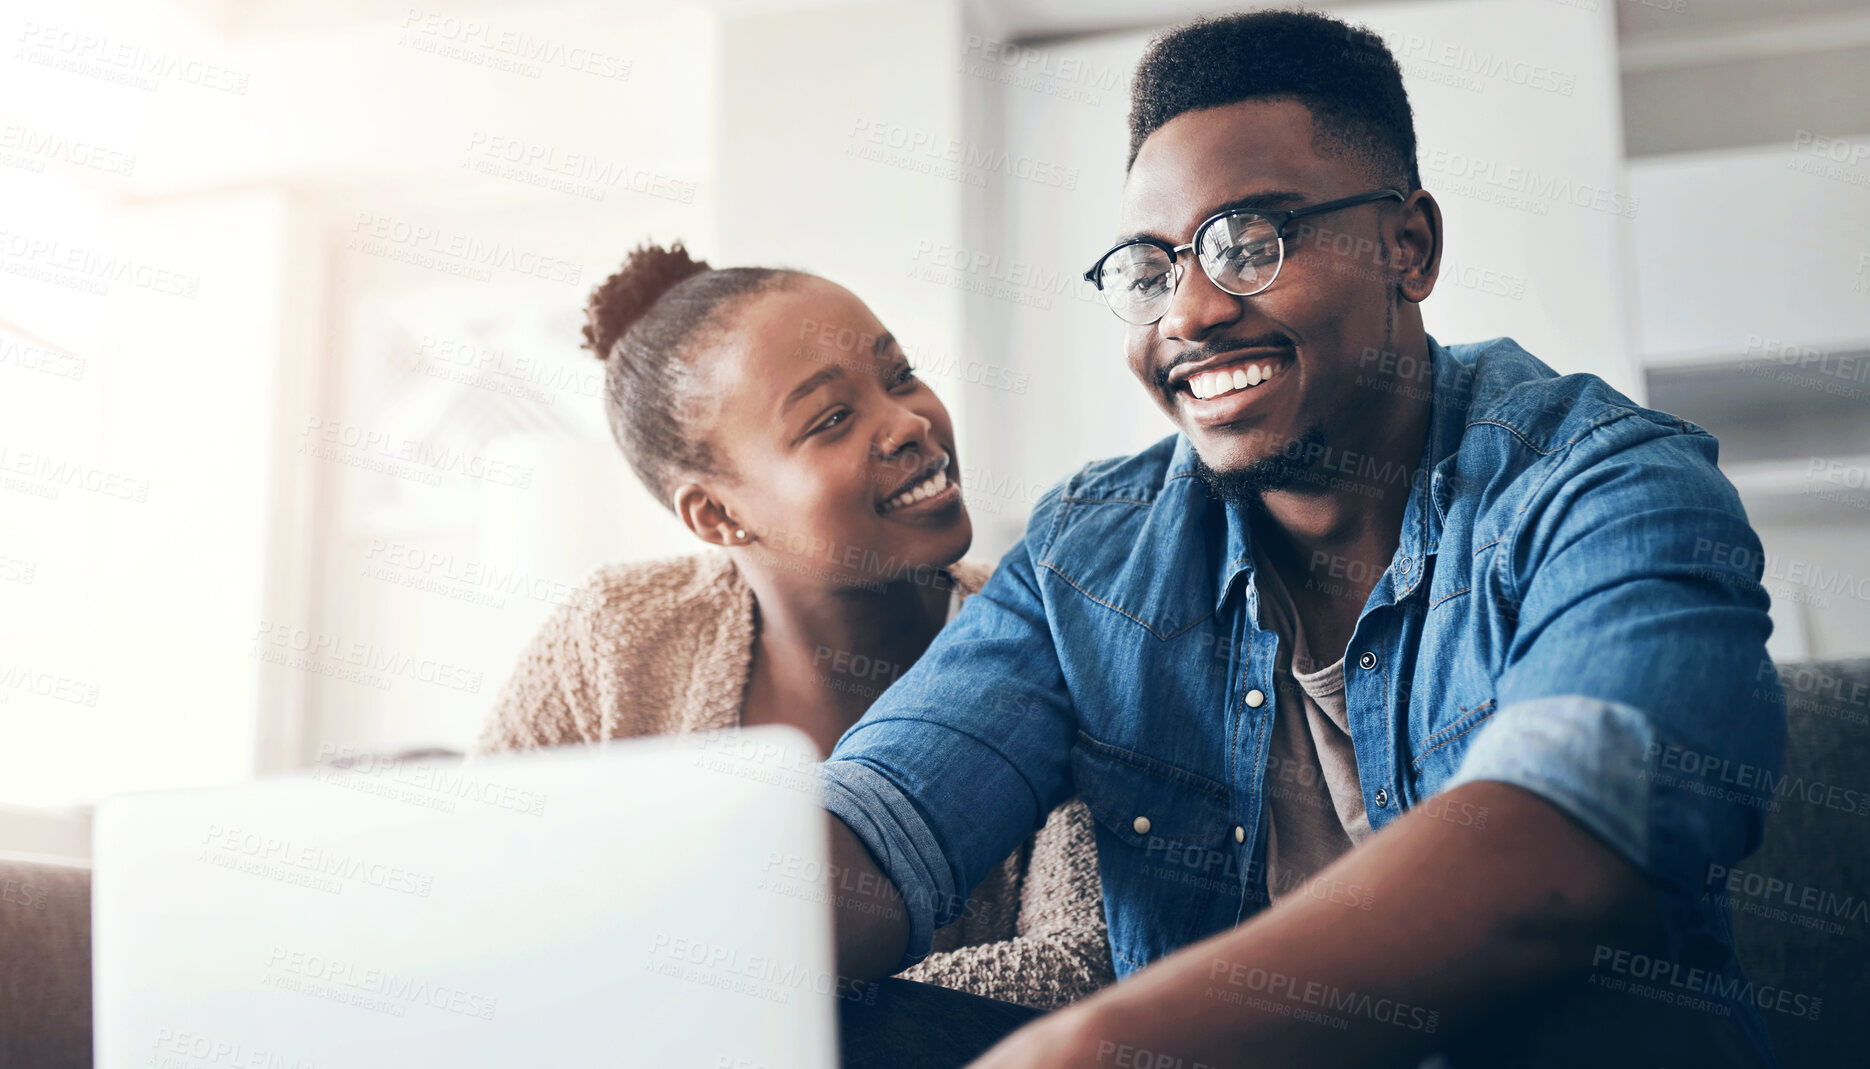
1241, 250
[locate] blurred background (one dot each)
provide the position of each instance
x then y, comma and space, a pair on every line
297, 445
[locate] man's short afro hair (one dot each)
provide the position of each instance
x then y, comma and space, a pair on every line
1345, 75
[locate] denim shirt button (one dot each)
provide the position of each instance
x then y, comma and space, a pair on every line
1367, 661
1255, 699
1240, 834
1383, 793
1141, 824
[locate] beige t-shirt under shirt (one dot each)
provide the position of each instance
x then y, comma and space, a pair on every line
1314, 804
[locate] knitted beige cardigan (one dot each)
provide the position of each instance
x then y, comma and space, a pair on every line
665, 646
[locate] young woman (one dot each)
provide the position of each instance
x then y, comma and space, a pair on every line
773, 414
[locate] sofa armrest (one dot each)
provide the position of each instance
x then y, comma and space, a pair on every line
45, 964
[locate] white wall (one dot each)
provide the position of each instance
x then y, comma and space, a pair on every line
256, 185
833, 130
1761, 257
139, 495
1767, 243
444, 581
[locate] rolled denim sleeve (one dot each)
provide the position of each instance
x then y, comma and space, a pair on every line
967, 752
1636, 693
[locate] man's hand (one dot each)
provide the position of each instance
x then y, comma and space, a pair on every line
1063, 1039
1461, 919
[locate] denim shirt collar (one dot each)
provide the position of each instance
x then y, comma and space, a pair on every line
1429, 496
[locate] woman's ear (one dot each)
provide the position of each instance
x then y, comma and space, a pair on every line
704, 514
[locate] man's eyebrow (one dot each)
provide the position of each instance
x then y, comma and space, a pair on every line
1269, 198
815, 380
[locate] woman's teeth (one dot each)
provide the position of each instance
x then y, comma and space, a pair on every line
928, 487
1227, 380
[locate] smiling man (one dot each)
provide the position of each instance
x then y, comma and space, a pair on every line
1411, 685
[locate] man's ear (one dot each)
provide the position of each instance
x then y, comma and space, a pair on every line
705, 515
1419, 246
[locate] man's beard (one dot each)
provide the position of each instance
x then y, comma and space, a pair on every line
1281, 470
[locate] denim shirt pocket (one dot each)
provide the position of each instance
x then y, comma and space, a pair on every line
1438, 756
1171, 867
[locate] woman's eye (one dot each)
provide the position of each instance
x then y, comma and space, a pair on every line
830, 421
904, 374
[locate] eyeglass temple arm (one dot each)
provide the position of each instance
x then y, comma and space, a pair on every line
1334, 205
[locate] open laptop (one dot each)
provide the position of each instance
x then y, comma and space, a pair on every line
647, 903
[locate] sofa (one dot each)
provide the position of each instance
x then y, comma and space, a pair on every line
1801, 904
45, 964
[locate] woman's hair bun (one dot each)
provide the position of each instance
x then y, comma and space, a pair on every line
625, 297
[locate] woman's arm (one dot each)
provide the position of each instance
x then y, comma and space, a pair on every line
1061, 952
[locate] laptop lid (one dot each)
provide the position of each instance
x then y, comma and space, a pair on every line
652, 902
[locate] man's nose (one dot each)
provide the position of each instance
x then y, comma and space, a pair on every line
1197, 306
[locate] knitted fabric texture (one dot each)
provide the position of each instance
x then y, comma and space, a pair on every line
665, 646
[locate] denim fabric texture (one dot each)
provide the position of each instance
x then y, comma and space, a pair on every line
1574, 608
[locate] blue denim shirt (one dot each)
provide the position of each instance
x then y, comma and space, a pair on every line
1564, 613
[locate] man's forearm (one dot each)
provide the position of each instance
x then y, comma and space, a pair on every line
872, 924
1461, 918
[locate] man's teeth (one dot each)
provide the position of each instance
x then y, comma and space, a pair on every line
1227, 380
928, 487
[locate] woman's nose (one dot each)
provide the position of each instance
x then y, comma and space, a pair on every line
906, 427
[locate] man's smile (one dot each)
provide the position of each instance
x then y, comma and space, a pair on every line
1220, 391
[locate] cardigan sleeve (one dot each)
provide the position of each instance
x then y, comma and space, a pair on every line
549, 698
1061, 952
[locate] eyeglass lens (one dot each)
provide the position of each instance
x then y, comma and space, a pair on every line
1240, 253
